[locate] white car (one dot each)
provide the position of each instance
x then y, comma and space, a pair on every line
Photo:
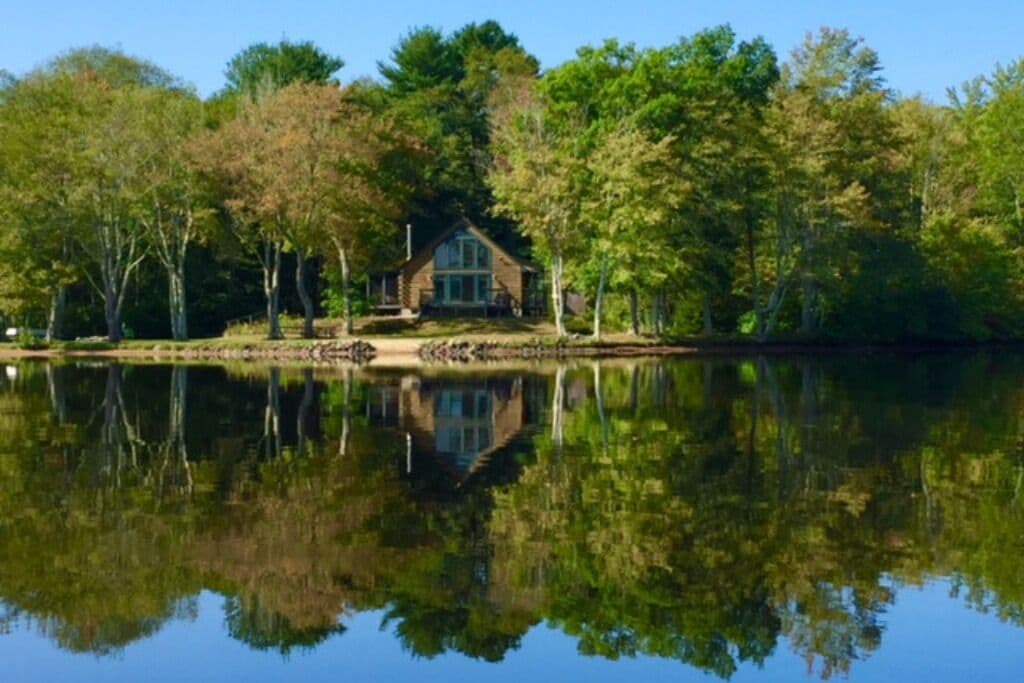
12, 333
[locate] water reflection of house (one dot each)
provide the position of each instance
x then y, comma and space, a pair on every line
459, 423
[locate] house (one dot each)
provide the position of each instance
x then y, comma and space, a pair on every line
457, 423
462, 271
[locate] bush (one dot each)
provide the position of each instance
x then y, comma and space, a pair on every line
27, 341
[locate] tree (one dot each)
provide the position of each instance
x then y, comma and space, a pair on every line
302, 168
830, 139
537, 181
112, 92
41, 123
262, 68
442, 87
1000, 143
175, 203
634, 190
236, 157
706, 93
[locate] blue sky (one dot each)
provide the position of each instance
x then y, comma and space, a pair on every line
924, 46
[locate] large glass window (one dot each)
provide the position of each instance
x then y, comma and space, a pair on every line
462, 251
462, 270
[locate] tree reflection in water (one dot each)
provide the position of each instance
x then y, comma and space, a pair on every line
704, 511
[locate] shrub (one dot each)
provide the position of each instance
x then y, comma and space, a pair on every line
27, 341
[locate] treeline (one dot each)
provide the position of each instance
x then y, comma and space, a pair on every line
704, 187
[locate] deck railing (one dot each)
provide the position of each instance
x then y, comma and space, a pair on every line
380, 300
494, 297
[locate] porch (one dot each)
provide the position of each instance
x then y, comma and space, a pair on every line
487, 302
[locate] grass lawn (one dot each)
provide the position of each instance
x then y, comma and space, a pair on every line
391, 335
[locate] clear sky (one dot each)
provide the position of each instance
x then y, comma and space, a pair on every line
925, 46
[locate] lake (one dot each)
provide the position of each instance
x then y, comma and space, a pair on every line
750, 519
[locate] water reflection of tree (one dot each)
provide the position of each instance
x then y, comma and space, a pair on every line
88, 560
698, 511
708, 532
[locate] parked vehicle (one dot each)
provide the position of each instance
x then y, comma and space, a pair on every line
15, 333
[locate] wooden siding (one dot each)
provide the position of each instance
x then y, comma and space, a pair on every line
418, 273
417, 410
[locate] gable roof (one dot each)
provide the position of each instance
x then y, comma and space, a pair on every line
471, 228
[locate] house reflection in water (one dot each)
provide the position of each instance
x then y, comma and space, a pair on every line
458, 423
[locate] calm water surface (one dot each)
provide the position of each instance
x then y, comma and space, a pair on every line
751, 520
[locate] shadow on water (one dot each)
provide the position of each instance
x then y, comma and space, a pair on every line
706, 511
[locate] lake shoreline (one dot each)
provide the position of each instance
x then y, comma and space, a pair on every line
416, 351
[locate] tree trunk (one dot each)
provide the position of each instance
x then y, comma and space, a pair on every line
634, 389
755, 285
176, 301
55, 318
346, 294
57, 391
658, 314
558, 408
709, 323
179, 396
112, 313
307, 301
634, 313
272, 416
599, 401
346, 412
308, 394
599, 299
272, 288
808, 310
175, 455
558, 294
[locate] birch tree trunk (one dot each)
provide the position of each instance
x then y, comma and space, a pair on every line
634, 313
346, 412
112, 312
55, 317
176, 301
599, 401
709, 323
755, 285
808, 308
272, 287
558, 294
301, 420
602, 281
658, 314
272, 416
558, 408
301, 261
346, 294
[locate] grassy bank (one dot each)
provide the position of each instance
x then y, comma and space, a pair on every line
395, 337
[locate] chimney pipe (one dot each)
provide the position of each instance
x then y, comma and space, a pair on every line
408, 241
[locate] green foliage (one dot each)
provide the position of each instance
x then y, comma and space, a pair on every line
704, 186
262, 68
27, 340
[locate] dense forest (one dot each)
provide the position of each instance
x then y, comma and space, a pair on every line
706, 187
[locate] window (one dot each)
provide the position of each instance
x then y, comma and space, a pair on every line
462, 251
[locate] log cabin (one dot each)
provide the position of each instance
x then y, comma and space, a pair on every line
457, 423
461, 272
